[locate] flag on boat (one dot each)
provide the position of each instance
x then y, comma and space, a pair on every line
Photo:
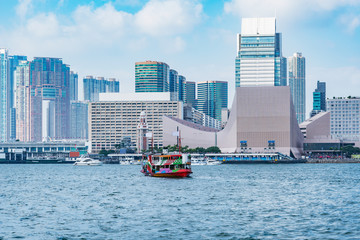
149, 134
176, 134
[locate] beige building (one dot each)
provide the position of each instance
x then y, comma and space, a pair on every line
117, 116
262, 120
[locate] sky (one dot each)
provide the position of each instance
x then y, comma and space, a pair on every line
195, 37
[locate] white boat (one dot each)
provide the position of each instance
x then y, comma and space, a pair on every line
86, 161
198, 161
126, 161
210, 161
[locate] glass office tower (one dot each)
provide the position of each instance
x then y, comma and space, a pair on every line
297, 83
259, 60
151, 76
212, 97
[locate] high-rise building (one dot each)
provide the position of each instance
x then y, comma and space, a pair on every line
43, 100
344, 118
74, 86
4, 95
190, 91
319, 99
212, 97
296, 69
173, 84
181, 87
259, 60
151, 76
94, 86
14, 61
79, 120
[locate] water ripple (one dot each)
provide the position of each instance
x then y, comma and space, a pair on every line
221, 202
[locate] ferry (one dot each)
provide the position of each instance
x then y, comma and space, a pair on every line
171, 165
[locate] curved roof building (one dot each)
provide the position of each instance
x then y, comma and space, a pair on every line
262, 119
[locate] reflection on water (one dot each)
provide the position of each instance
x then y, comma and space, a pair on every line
223, 202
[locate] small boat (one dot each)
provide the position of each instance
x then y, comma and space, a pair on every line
86, 161
210, 161
197, 161
171, 166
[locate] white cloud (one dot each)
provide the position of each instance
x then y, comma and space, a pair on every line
43, 25
351, 22
169, 17
23, 7
284, 9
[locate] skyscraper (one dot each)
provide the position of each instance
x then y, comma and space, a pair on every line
151, 76
74, 86
190, 89
181, 87
4, 94
296, 69
212, 97
79, 120
173, 84
319, 99
93, 86
259, 60
43, 104
14, 61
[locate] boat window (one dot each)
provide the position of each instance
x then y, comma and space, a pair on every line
171, 167
157, 168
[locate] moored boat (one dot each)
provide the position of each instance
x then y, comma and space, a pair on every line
86, 161
172, 165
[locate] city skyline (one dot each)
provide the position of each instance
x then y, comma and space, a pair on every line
202, 46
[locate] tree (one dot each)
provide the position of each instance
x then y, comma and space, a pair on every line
213, 149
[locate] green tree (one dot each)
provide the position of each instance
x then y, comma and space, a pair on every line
213, 149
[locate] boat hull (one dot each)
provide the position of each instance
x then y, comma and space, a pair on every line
178, 174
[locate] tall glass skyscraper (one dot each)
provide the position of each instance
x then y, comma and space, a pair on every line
259, 60
319, 99
181, 87
4, 95
173, 84
190, 89
212, 97
296, 71
43, 105
74, 86
14, 61
151, 76
93, 86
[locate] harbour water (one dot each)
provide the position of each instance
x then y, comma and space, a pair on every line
262, 201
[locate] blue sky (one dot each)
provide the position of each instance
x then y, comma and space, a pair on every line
197, 38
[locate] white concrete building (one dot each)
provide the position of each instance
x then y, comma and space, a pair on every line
116, 115
345, 118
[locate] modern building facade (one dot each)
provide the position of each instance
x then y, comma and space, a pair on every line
151, 76
259, 60
255, 125
43, 100
190, 91
4, 95
79, 120
297, 83
319, 99
174, 84
181, 88
195, 116
94, 86
116, 116
344, 118
14, 61
74, 86
212, 97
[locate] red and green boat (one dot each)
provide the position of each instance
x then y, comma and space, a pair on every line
171, 166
